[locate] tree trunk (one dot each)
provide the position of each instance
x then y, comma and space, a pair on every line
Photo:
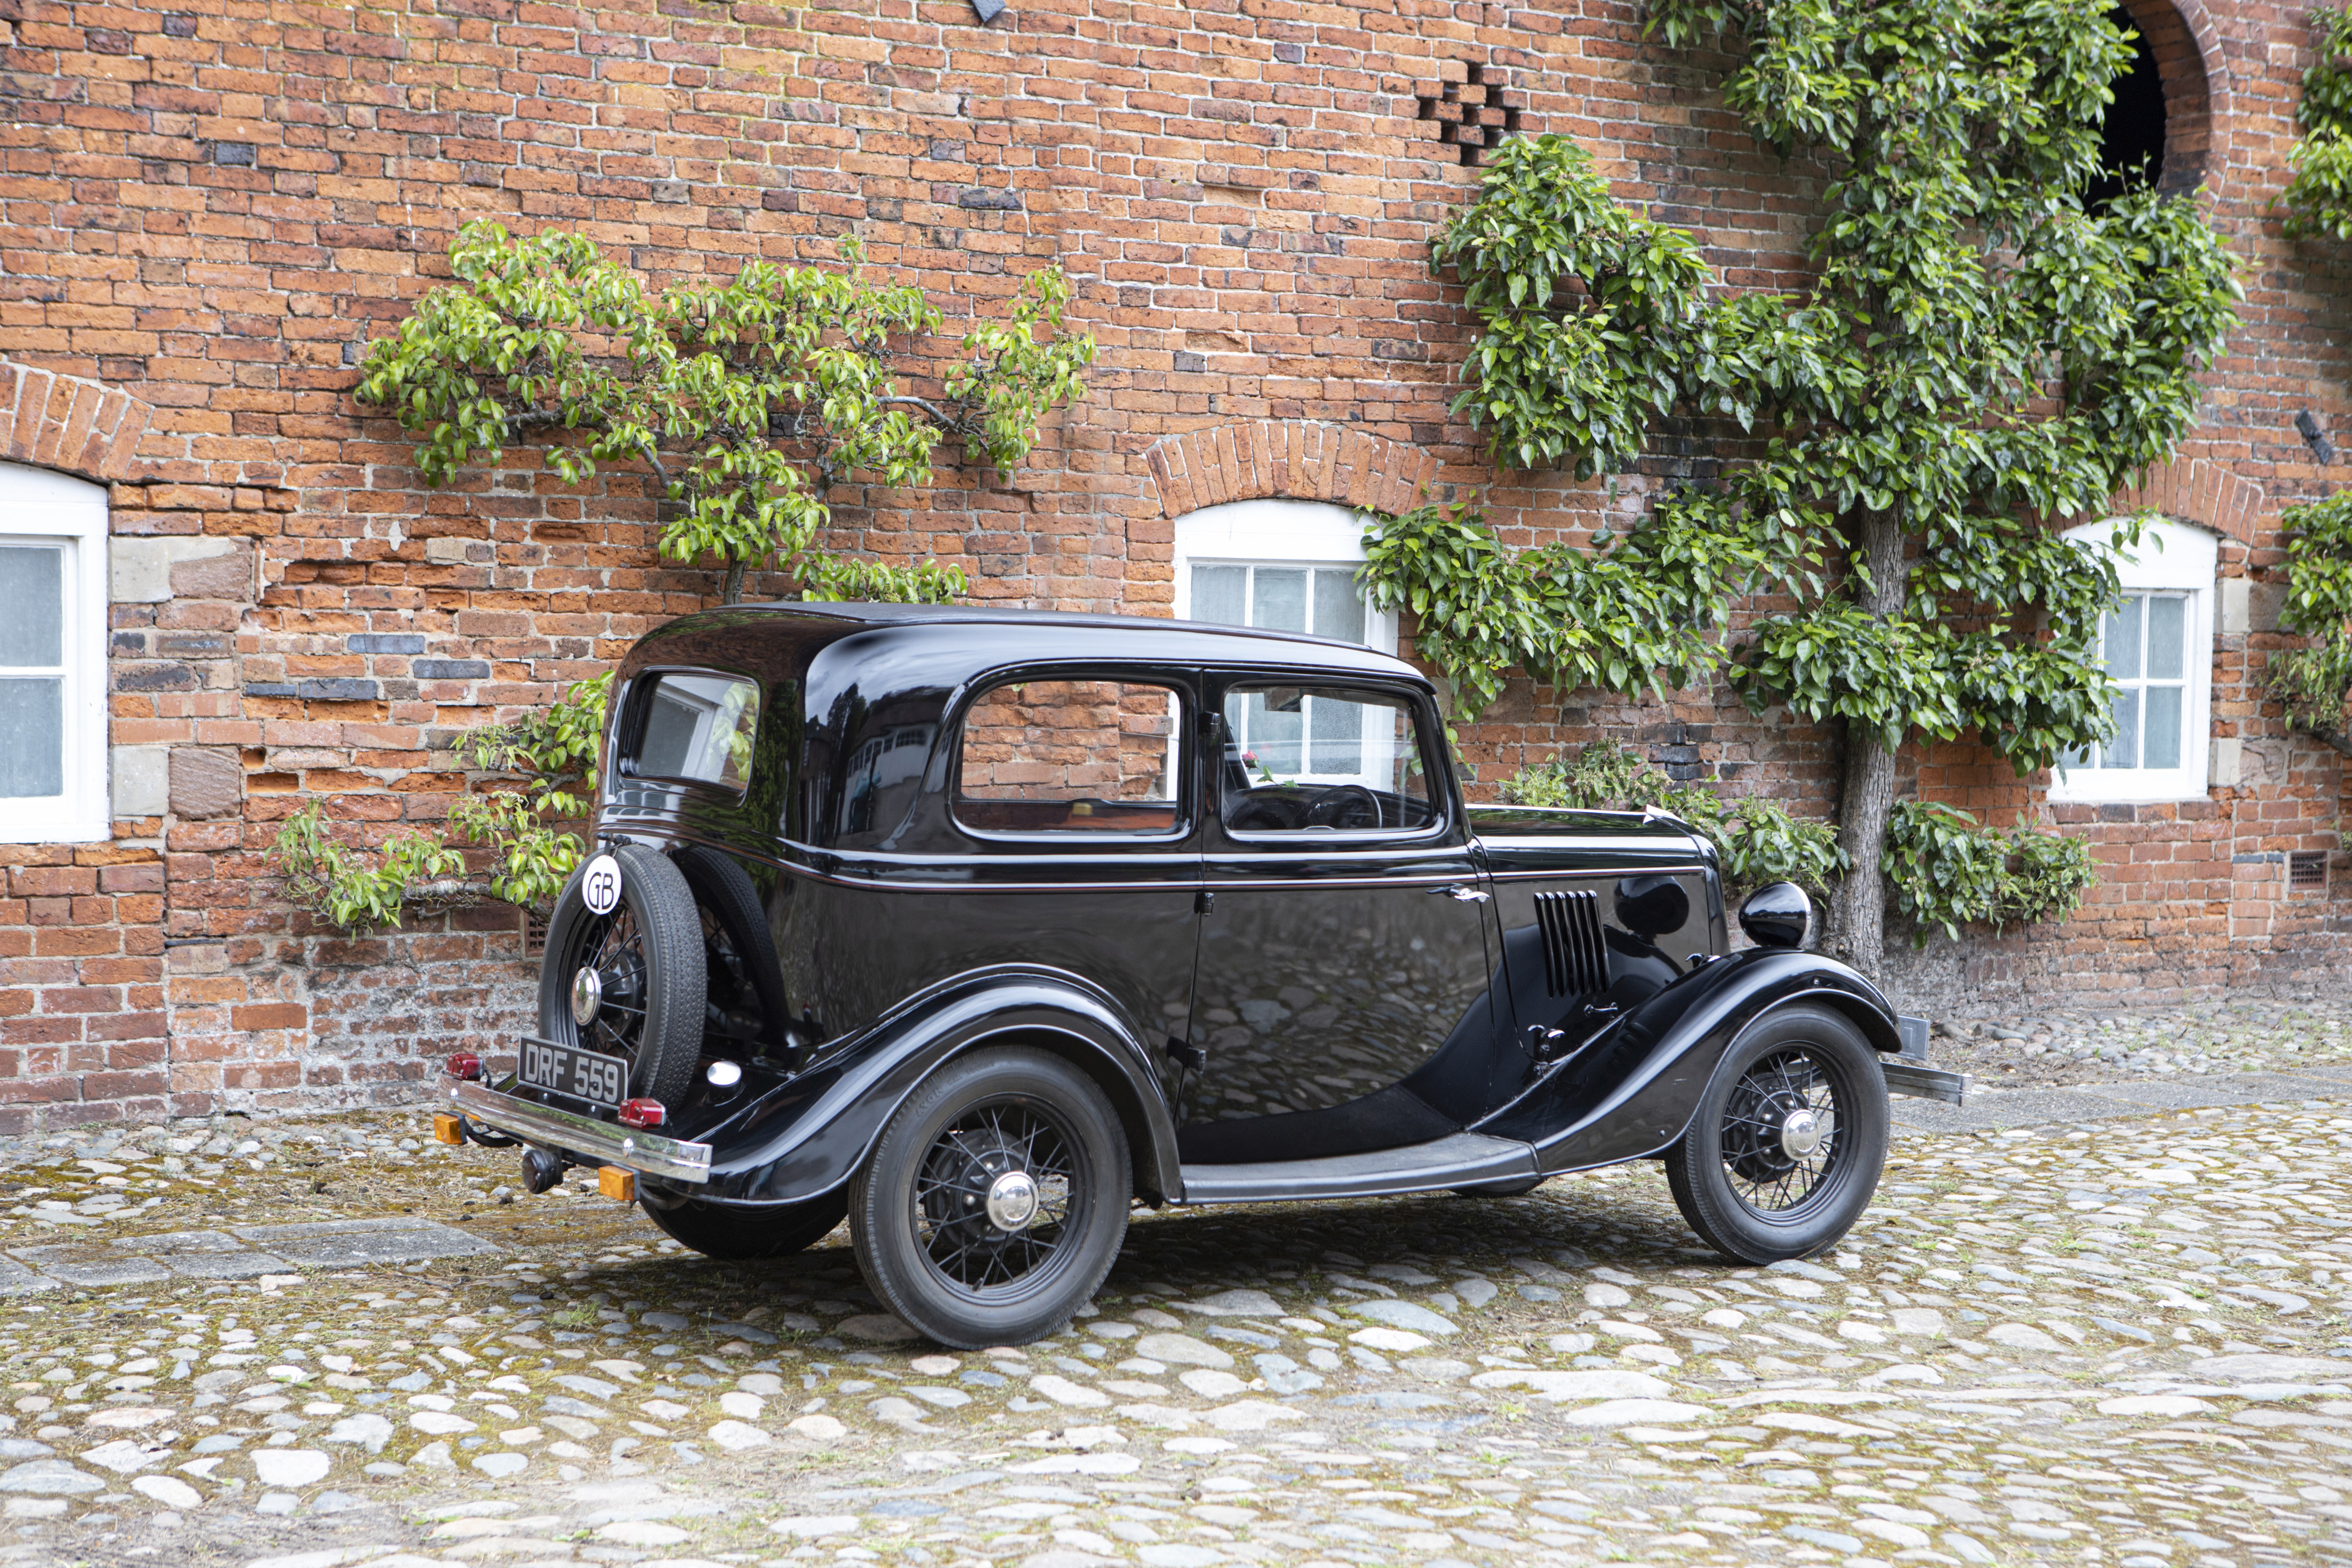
1858, 907
731, 590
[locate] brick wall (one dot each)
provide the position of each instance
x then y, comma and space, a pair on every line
209, 207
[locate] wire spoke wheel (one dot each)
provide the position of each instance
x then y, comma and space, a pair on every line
1780, 1131
629, 983
993, 1194
993, 1202
1783, 1150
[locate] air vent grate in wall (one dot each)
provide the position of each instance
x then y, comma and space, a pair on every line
1576, 961
1475, 113
2306, 870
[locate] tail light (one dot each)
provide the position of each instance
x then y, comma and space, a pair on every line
465, 1065
643, 1113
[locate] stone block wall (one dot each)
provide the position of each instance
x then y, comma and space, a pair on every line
210, 206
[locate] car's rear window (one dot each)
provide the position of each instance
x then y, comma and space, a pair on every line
699, 727
1070, 756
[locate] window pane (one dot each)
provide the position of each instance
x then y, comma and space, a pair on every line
2123, 638
1221, 594
33, 587
2167, 631
1069, 756
32, 737
1338, 608
2123, 751
699, 727
1337, 736
1281, 599
2160, 746
1273, 723
1364, 770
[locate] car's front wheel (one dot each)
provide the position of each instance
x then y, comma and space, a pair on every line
995, 1201
1785, 1148
746, 1234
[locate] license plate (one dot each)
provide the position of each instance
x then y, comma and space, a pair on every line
600, 1080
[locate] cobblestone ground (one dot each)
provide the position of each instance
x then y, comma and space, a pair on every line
2086, 1046
2120, 1344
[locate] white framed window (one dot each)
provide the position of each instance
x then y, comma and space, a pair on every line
2157, 645
53, 631
1285, 565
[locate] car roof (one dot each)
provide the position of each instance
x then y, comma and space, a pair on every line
1032, 637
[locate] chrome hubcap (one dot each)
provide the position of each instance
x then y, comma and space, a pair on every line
587, 995
1012, 1201
1804, 1133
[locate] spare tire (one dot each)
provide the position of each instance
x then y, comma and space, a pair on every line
645, 1001
745, 1006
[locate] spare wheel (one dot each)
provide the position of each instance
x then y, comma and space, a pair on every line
629, 983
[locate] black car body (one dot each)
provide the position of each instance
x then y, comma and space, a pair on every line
1228, 875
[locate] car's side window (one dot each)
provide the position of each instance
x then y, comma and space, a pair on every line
1071, 756
1322, 759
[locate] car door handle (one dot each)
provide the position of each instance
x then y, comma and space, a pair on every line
1463, 893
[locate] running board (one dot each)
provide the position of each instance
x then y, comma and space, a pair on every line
1464, 1160
1924, 1082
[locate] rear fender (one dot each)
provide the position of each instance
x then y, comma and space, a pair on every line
810, 1133
1631, 1090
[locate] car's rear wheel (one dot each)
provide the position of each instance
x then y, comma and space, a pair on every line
747, 1235
1785, 1148
995, 1201
629, 983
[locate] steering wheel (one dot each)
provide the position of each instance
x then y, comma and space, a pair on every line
1325, 809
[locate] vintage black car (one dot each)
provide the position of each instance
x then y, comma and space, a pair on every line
980, 926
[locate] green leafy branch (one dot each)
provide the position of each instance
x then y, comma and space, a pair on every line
2315, 682
1948, 872
749, 398
553, 752
1756, 840
2318, 197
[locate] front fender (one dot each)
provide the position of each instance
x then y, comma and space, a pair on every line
1631, 1092
809, 1134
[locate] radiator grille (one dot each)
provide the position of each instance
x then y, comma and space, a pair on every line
1575, 961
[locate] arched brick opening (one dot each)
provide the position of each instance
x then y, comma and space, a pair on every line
73, 425
2191, 489
2187, 56
1293, 458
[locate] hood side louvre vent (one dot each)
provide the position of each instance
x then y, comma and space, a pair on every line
1576, 961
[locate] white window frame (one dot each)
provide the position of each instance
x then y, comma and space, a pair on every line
1276, 533
41, 508
2173, 558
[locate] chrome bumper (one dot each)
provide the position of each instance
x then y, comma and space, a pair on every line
646, 1154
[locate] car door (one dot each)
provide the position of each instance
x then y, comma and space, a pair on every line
1341, 992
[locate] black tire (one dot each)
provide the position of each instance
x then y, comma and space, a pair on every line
925, 1242
744, 1003
746, 1234
649, 954
1748, 1190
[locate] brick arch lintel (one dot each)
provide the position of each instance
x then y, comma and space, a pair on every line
2194, 490
1297, 459
81, 428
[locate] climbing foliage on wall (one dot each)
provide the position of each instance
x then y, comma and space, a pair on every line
2314, 681
749, 398
2319, 196
547, 759
1979, 347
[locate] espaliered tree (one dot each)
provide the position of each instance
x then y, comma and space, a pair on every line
749, 399
1977, 358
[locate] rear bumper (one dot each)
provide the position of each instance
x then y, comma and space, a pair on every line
600, 1143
